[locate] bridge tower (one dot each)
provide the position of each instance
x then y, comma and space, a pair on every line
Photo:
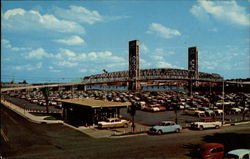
134, 70
192, 67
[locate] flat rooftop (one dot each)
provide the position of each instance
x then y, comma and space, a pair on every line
93, 103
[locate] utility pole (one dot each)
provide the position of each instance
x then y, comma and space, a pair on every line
223, 106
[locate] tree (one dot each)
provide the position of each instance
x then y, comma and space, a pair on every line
243, 104
45, 92
132, 112
214, 99
175, 105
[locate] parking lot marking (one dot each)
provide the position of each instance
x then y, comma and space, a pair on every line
6, 139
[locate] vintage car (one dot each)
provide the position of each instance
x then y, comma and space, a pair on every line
211, 151
238, 154
206, 123
195, 112
113, 123
153, 108
208, 112
218, 111
235, 110
165, 127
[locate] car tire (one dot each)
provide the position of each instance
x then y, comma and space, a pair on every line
178, 130
217, 127
201, 128
159, 132
125, 125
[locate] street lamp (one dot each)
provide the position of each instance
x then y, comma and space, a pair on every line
223, 106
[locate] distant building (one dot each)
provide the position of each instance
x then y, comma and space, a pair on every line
88, 112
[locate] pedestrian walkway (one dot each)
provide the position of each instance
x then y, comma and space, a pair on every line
26, 114
112, 132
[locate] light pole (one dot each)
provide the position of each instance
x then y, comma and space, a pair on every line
223, 106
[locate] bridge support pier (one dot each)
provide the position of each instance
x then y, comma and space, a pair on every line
190, 88
133, 86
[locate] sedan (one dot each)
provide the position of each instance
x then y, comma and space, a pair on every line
165, 127
211, 151
238, 154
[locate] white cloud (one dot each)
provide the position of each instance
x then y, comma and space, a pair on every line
73, 40
83, 70
80, 14
20, 19
7, 44
158, 57
36, 54
163, 64
199, 13
228, 11
162, 31
68, 53
52, 69
116, 65
67, 64
144, 63
225, 60
144, 48
29, 67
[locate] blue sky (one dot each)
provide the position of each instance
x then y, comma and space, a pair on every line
60, 41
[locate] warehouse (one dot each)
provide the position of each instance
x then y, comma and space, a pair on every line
87, 112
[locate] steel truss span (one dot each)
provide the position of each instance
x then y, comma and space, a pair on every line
153, 74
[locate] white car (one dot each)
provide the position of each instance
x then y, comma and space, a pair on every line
218, 111
153, 108
206, 123
238, 154
236, 110
113, 122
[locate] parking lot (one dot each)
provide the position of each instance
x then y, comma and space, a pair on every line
144, 117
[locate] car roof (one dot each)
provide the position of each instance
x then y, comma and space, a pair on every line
211, 145
239, 152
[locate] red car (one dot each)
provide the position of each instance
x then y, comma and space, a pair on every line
211, 151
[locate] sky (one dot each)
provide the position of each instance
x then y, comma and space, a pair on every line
62, 41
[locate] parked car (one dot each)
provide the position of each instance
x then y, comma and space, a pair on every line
238, 154
165, 127
206, 123
208, 112
211, 151
218, 111
153, 108
113, 123
235, 110
194, 112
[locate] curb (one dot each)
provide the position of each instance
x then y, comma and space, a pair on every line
238, 123
123, 136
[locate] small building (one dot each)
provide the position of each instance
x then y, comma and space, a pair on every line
87, 111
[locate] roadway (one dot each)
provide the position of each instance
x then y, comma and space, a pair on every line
23, 139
